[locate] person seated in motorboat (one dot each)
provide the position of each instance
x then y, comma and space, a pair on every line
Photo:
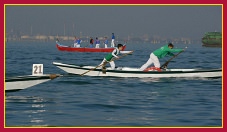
110, 56
97, 42
157, 54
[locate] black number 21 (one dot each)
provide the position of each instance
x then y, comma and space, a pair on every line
38, 69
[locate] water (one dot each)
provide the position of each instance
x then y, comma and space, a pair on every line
72, 101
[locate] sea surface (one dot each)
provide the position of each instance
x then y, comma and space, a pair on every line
82, 101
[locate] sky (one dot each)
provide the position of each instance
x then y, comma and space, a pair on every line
166, 21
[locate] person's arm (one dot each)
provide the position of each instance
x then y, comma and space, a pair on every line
176, 50
170, 54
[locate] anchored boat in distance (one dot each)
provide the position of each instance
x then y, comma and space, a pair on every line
61, 47
212, 39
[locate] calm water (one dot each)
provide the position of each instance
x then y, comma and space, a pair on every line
72, 101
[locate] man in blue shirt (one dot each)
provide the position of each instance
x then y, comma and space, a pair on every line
97, 42
78, 42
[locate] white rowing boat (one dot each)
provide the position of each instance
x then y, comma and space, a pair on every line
23, 82
135, 72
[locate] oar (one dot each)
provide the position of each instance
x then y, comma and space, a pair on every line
167, 62
105, 63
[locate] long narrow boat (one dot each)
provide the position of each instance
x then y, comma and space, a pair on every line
23, 82
135, 72
61, 47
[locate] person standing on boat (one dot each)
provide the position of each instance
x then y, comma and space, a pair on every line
97, 42
112, 42
157, 54
109, 57
75, 42
91, 42
78, 42
105, 42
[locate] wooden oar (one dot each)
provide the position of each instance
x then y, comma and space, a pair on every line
105, 63
167, 62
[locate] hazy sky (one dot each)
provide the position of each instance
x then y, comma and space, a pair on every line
165, 21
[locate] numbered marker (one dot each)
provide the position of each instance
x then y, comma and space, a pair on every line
37, 69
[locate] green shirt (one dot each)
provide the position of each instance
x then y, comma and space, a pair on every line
113, 54
165, 50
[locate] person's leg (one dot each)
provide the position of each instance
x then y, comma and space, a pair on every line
156, 61
112, 64
103, 61
112, 43
148, 63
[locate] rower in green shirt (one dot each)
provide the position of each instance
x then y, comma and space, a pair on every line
109, 57
159, 53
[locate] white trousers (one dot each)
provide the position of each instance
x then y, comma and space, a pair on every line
75, 44
153, 59
112, 43
112, 64
97, 46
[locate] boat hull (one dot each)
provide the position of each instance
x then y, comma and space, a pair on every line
84, 49
212, 39
211, 45
135, 72
23, 82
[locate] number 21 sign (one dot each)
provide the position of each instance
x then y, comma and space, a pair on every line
37, 69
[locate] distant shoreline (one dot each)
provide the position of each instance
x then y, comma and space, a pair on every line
152, 40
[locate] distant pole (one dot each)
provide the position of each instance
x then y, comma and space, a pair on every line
31, 30
64, 29
73, 29
57, 37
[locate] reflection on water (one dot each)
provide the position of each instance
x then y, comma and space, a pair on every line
23, 99
150, 79
177, 79
32, 106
